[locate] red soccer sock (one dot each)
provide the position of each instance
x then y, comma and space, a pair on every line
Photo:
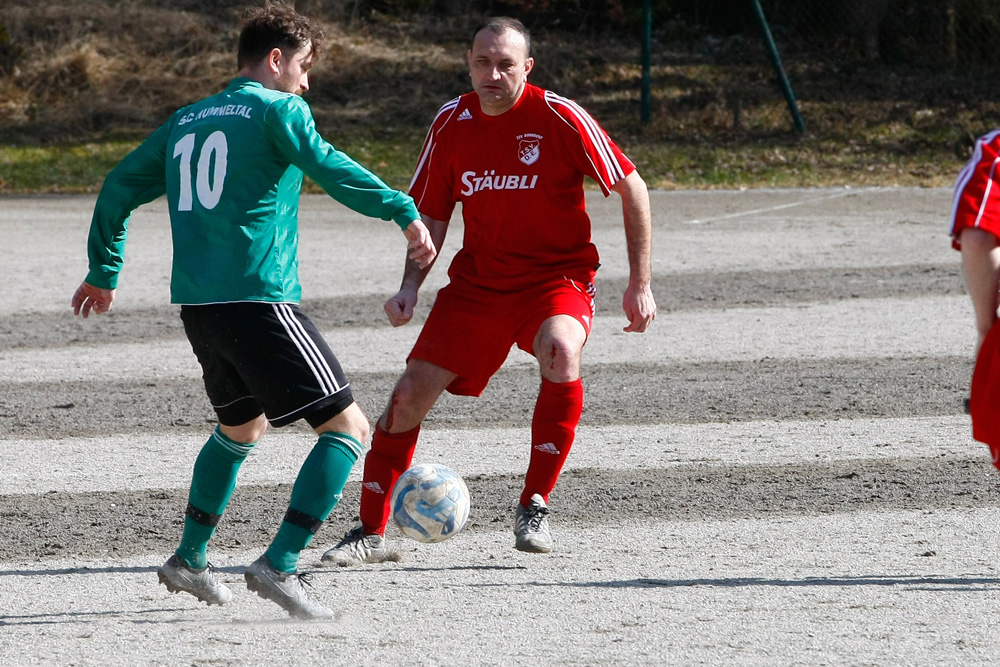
390, 456
553, 428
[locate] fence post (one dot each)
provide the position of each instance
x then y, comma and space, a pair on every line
647, 39
776, 61
951, 33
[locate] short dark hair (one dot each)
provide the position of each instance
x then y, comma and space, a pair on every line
275, 25
500, 24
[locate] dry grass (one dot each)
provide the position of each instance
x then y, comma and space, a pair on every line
93, 75
89, 70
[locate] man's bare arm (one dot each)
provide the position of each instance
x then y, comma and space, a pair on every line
399, 308
638, 302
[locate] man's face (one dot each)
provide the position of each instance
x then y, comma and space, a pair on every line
499, 67
293, 70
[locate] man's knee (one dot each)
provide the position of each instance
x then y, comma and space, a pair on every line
414, 395
351, 421
559, 347
559, 354
404, 403
247, 433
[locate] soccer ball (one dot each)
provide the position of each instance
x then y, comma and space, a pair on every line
430, 503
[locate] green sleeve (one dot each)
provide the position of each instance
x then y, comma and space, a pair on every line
291, 127
138, 179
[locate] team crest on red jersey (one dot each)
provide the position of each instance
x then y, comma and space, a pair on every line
529, 148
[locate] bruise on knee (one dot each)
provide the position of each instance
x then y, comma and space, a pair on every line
553, 357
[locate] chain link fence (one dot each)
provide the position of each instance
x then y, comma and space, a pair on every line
928, 33
939, 34
856, 66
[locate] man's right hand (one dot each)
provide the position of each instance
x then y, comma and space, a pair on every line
88, 298
400, 307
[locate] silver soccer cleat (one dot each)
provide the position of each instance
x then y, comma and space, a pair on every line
356, 548
286, 589
531, 526
203, 584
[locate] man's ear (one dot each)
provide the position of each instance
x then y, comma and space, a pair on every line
274, 59
529, 64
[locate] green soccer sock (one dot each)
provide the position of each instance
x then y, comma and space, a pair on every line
316, 492
212, 485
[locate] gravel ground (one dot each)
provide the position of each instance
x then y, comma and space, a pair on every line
778, 473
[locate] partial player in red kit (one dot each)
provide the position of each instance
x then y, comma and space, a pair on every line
516, 157
975, 228
975, 231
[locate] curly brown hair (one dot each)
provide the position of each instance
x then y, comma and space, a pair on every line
275, 25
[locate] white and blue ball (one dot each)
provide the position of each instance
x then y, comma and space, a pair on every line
430, 502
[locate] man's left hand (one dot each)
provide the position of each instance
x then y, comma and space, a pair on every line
640, 308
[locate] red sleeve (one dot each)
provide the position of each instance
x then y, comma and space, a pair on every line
976, 200
432, 187
602, 160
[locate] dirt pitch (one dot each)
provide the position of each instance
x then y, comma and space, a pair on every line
779, 472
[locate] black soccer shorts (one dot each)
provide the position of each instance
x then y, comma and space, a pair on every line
265, 358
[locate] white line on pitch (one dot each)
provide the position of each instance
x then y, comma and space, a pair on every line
770, 209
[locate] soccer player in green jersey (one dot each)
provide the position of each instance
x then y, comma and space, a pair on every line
231, 166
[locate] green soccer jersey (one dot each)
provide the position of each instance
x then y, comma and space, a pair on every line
231, 166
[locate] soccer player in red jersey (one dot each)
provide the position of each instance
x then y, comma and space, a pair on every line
515, 156
975, 228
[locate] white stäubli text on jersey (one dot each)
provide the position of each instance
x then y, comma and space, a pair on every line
474, 183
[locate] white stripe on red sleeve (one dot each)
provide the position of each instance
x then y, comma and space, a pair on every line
609, 164
444, 114
966, 174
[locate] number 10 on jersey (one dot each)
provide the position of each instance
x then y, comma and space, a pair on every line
208, 181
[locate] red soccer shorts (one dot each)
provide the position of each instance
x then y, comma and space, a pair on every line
984, 397
977, 191
470, 331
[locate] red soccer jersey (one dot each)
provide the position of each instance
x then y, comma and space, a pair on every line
519, 177
977, 195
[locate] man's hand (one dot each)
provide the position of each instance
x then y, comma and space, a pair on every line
400, 307
420, 247
640, 308
89, 298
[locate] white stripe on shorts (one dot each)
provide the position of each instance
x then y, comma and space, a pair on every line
312, 356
